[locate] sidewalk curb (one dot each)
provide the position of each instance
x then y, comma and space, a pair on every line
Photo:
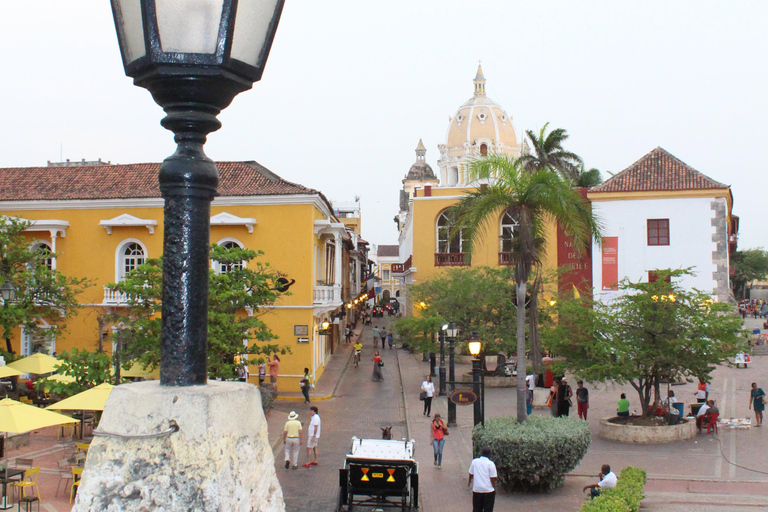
405, 401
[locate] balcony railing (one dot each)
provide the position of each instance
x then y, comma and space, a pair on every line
115, 297
397, 268
505, 258
327, 294
450, 259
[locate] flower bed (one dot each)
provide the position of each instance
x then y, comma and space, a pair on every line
646, 434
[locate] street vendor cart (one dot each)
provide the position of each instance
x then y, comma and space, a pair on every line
379, 474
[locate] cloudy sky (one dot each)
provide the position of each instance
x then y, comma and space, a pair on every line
351, 86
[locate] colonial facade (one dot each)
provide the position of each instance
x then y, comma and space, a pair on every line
101, 221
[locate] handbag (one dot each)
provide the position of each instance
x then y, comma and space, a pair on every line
381, 363
423, 395
445, 430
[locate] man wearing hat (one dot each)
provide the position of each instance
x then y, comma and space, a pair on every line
292, 440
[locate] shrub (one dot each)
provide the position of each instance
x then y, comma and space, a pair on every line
534, 455
625, 497
268, 396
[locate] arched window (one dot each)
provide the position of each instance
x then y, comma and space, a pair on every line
483, 150
223, 268
509, 227
130, 254
46, 253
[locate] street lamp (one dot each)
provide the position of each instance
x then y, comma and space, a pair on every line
451, 332
194, 58
8, 291
441, 337
475, 345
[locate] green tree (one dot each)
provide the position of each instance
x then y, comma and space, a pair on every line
41, 292
237, 295
548, 153
750, 264
650, 332
588, 178
89, 369
475, 298
532, 198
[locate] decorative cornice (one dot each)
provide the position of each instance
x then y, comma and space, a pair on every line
227, 219
128, 220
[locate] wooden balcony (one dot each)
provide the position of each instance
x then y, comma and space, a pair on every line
450, 259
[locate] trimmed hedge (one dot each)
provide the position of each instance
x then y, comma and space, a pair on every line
625, 497
535, 455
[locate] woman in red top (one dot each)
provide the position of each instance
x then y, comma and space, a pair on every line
438, 438
377, 364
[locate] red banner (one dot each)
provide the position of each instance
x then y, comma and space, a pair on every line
611, 263
577, 259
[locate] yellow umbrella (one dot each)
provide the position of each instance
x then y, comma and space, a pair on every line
66, 379
6, 371
89, 400
36, 363
137, 370
17, 417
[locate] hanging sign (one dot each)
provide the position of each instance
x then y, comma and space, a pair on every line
463, 397
610, 263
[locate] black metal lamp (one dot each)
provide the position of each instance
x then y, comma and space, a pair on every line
475, 346
194, 57
451, 331
8, 291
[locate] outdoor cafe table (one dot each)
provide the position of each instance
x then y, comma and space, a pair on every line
5, 478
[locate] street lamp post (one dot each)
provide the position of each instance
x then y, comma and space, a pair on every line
474, 348
194, 59
450, 332
441, 336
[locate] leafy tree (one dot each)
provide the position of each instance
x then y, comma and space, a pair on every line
41, 293
89, 369
475, 298
532, 198
548, 153
244, 286
650, 332
750, 264
588, 178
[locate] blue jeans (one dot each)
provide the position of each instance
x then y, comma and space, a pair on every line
438, 447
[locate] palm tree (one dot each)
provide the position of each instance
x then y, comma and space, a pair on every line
532, 198
549, 154
588, 179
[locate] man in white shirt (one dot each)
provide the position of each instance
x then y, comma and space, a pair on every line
483, 472
607, 479
700, 415
313, 436
530, 383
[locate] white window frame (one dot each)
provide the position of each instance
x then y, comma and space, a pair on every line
25, 345
120, 257
511, 227
215, 265
447, 240
37, 244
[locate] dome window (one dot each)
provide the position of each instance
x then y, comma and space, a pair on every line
459, 119
483, 150
503, 118
482, 116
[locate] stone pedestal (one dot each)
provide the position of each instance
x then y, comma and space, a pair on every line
219, 460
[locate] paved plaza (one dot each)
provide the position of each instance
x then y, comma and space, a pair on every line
690, 475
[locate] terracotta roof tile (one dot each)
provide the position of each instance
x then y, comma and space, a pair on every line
131, 181
658, 170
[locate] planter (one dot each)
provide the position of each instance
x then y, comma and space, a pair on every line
684, 430
492, 382
490, 361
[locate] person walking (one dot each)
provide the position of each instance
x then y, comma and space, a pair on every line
390, 340
262, 373
375, 332
428, 388
383, 336
564, 394
313, 437
348, 334
702, 393
757, 397
530, 385
292, 440
482, 479
438, 430
306, 384
274, 368
582, 399
552, 399
377, 364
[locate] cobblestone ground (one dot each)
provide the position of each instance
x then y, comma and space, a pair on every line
359, 408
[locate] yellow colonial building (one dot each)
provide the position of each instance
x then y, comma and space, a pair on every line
103, 220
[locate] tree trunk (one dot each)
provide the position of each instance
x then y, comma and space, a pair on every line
534, 325
8, 345
521, 408
100, 321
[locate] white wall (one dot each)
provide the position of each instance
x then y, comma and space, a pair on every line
690, 240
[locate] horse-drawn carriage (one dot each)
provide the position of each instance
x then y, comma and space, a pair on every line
380, 474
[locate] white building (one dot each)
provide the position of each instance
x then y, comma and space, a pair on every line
661, 213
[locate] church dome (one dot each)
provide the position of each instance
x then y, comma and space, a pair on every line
480, 120
420, 170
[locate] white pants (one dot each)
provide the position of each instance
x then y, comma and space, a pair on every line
292, 450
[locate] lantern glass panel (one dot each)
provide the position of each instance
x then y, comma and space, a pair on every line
189, 26
251, 27
130, 29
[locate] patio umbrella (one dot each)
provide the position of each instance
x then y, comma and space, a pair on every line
66, 379
6, 371
36, 363
16, 417
89, 400
136, 370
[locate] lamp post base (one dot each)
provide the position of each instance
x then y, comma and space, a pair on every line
220, 458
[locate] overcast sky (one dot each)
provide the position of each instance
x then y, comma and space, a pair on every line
351, 86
